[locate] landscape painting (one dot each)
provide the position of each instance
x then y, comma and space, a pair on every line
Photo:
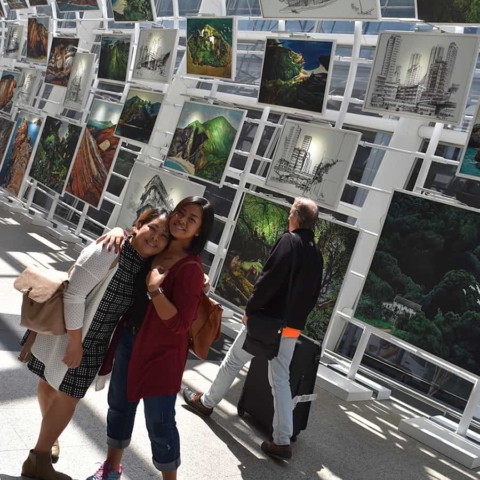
458, 12
313, 161
156, 55
139, 115
296, 74
38, 3
37, 39
60, 62
469, 166
65, 6
424, 281
80, 81
114, 57
422, 75
321, 9
133, 10
19, 152
9, 83
28, 83
17, 4
6, 128
260, 224
14, 42
211, 47
204, 140
56, 149
151, 187
96, 153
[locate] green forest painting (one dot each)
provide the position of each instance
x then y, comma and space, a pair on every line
449, 11
424, 282
55, 152
260, 223
114, 57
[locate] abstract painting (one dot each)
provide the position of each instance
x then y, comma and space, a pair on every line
6, 128
211, 47
55, 152
17, 4
133, 10
13, 42
80, 81
321, 9
9, 83
296, 74
204, 140
19, 152
114, 57
94, 159
259, 225
422, 75
156, 55
469, 166
37, 39
60, 62
458, 12
65, 6
28, 83
424, 280
139, 115
313, 161
150, 187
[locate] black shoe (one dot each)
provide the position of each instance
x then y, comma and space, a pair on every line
280, 452
193, 401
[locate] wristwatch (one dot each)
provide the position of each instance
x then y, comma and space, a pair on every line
155, 293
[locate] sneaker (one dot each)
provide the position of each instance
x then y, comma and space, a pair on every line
193, 400
105, 472
280, 452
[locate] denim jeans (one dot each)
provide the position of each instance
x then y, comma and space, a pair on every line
159, 413
278, 376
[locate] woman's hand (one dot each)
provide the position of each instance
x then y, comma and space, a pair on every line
73, 355
155, 279
206, 284
113, 239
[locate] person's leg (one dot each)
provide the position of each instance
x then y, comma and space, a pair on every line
163, 433
45, 396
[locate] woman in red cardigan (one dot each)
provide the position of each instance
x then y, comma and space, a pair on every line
151, 348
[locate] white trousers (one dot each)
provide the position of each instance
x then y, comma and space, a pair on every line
278, 376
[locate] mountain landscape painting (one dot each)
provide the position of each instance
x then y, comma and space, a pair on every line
37, 39
139, 115
9, 82
114, 57
55, 151
469, 166
65, 6
96, 153
60, 62
133, 10
204, 140
19, 152
6, 128
296, 74
80, 81
14, 42
211, 47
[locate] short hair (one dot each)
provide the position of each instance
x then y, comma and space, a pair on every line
148, 216
208, 214
306, 211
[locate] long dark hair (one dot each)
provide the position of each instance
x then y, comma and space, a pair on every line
198, 243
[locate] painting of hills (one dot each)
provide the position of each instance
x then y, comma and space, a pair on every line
133, 10
114, 57
37, 39
296, 74
211, 47
9, 83
204, 140
60, 62
96, 153
55, 151
65, 6
139, 115
19, 152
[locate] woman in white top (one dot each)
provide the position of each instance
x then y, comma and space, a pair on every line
98, 294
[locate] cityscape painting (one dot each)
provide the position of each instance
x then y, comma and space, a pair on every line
313, 161
60, 63
156, 55
66, 6
80, 81
13, 42
458, 12
469, 166
37, 39
204, 140
422, 75
28, 83
150, 187
114, 57
321, 9
423, 285
133, 10
296, 73
9, 83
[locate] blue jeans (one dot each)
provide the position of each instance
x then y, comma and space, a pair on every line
159, 413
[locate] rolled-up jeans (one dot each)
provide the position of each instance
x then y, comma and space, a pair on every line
278, 376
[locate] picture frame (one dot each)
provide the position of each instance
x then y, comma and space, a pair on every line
63, 51
80, 81
469, 164
137, 11
13, 45
38, 39
121, 47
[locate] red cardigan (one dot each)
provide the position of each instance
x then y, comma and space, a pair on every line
161, 348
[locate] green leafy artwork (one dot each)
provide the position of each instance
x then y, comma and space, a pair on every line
449, 11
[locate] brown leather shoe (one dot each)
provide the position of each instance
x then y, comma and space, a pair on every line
193, 400
55, 452
39, 466
280, 452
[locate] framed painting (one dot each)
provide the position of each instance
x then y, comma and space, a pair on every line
134, 10
37, 39
66, 6
6, 129
38, 3
456, 12
17, 4
14, 42
469, 166
28, 86
80, 81
114, 58
61, 59
9, 83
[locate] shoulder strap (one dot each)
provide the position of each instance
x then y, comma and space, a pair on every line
293, 267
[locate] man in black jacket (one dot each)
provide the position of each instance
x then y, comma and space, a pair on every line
270, 296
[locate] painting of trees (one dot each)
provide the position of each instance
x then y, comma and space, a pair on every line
449, 11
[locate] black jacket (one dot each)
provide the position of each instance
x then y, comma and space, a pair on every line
271, 289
